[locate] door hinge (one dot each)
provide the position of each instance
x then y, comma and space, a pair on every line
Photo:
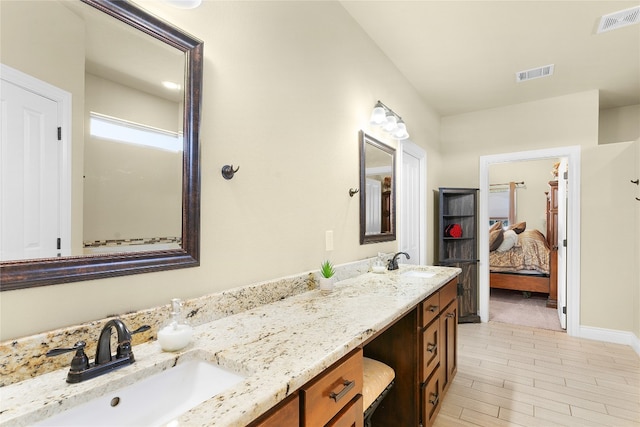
566, 175
564, 243
59, 243
564, 310
59, 133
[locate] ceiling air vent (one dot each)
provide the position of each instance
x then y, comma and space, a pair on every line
620, 19
534, 73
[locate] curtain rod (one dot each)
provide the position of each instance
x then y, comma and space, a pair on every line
507, 183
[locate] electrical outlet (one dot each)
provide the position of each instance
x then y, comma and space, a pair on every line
328, 240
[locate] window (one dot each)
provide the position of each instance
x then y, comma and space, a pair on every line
122, 131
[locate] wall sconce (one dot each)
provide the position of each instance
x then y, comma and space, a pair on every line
390, 122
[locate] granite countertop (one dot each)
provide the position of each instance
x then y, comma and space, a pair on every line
278, 347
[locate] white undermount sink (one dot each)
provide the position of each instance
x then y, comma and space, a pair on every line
418, 274
152, 401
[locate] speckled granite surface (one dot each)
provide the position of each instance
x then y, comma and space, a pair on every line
279, 345
25, 358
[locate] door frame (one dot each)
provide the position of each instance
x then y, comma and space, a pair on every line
572, 153
416, 151
63, 99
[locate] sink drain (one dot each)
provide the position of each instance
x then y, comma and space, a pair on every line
115, 401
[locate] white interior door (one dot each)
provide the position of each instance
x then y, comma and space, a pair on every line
411, 202
563, 187
30, 156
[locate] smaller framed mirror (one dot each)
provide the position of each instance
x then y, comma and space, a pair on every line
377, 191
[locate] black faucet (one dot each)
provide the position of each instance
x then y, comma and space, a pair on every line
103, 351
104, 361
393, 262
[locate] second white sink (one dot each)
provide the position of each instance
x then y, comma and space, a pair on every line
153, 401
418, 274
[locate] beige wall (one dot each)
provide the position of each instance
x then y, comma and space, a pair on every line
287, 86
130, 191
609, 282
619, 124
531, 200
636, 262
607, 273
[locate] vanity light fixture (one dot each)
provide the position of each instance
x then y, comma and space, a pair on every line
171, 85
184, 4
389, 121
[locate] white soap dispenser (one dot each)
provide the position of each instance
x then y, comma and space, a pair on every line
378, 265
176, 333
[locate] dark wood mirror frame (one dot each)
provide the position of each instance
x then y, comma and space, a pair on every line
51, 271
381, 237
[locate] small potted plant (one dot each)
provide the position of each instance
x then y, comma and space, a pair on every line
326, 277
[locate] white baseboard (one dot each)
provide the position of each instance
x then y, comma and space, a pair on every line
610, 335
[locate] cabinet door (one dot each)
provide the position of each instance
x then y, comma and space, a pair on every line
431, 394
350, 416
430, 349
449, 343
286, 414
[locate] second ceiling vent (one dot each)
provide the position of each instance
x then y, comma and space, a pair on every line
620, 19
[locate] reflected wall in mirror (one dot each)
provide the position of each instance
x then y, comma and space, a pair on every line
377, 191
128, 169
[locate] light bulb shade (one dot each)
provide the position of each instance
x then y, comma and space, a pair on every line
184, 4
401, 132
391, 124
378, 116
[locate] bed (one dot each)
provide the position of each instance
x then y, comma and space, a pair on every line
525, 262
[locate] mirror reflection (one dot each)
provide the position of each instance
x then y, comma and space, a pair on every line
107, 187
377, 191
114, 181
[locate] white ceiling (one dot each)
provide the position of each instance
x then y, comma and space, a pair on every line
462, 56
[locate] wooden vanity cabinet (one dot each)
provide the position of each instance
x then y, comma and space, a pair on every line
438, 350
422, 349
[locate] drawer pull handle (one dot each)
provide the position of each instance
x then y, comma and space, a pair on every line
431, 347
435, 399
450, 315
348, 385
433, 308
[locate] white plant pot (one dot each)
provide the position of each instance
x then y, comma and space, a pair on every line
326, 285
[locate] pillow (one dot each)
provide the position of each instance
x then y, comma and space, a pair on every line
509, 240
496, 226
495, 239
519, 227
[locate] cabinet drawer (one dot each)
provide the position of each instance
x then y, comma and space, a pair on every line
350, 416
430, 397
430, 350
448, 293
326, 395
286, 414
430, 308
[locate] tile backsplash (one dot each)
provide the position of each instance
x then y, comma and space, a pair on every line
24, 358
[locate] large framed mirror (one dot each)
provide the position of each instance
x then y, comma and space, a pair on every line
121, 227
377, 190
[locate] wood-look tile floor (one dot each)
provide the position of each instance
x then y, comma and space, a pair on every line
511, 375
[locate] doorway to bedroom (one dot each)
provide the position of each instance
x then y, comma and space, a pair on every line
534, 170
524, 209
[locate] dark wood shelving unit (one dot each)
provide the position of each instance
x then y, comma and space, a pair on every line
460, 206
